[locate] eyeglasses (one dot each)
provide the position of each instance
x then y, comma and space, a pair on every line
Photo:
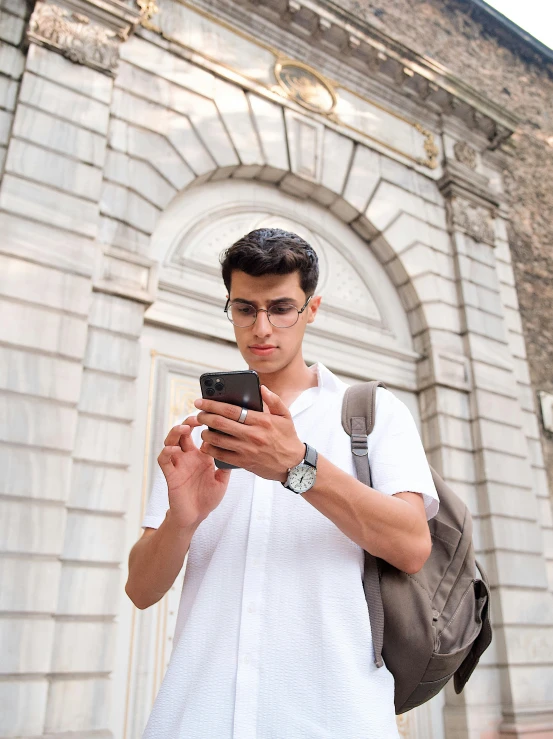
280, 315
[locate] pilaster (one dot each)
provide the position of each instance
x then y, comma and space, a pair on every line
52, 329
501, 698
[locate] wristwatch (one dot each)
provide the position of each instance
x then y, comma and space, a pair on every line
301, 478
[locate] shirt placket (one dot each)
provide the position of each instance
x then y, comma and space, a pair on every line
249, 643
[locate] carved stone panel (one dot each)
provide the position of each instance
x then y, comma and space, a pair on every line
465, 154
475, 220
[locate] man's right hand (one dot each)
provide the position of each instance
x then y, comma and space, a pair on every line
195, 485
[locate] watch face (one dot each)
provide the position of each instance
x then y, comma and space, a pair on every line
302, 478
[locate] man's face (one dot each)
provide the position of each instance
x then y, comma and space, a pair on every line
265, 348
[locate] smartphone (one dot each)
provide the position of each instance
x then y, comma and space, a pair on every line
239, 388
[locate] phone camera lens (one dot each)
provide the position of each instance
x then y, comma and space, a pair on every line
208, 382
219, 386
210, 391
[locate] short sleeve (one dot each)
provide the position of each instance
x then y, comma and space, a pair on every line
396, 455
158, 502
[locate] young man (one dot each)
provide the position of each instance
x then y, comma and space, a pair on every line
273, 639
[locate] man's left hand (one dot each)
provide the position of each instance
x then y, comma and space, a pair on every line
265, 444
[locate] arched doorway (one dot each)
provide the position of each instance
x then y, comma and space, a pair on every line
361, 333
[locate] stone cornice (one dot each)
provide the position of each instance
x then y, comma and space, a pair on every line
369, 50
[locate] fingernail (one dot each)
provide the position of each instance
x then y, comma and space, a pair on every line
198, 403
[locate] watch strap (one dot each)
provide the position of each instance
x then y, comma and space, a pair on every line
311, 456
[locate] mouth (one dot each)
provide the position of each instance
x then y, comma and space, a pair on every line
262, 350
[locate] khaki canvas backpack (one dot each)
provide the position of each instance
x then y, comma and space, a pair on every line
434, 625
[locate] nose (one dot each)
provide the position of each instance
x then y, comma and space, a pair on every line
262, 326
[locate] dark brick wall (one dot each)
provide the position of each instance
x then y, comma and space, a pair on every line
508, 72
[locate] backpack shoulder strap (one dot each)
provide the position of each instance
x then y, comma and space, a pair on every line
358, 417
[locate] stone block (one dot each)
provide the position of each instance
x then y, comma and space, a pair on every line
110, 353
269, 122
42, 330
116, 314
201, 112
129, 207
444, 400
531, 685
82, 646
52, 288
62, 136
26, 644
121, 235
441, 429
485, 324
297, 186
34, 473
46, 245
489, 351
509, 296
343, 210
305, 145
102, 440
162, 63
502, 468
455, 464
535, 452
89, 591
12, 61
172, 132
8, 93
94, 538
39, 375
478, 272
497, 380
234, 109
419, 259
517, 344
499, 437
515, 569
98, 487
42, 203
545, 512
28, 585
390, 200
525, 606
505, 273
475, 250
407, 230
337, 155
55, 170
530, 424
362, 180
482, 298
26, 420
12, 28
64, 103
507, 500
22, 706
435, 316
526, 397
139, 176
107, 395
501, 532
77, 77
78, 705
497, 407
5, 126
522, 374
31, 527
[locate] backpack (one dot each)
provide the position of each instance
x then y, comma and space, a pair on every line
434, 625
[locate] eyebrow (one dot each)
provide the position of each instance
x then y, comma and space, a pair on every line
271, 302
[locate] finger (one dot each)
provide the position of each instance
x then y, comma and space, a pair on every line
274, 403
192, 421
172, 438
221, 441
223, 455
165, 458
226, 425
222, 476
226, 410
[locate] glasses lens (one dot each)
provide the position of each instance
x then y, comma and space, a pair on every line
283, 315
242, 314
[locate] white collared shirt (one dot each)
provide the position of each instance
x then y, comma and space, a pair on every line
273, 638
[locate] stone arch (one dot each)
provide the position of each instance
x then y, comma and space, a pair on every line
175, 126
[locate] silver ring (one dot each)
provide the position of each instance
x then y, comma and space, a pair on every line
243, 414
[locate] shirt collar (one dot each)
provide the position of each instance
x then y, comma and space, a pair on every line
325, 381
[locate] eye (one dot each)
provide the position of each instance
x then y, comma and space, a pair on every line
244, 310
282, 310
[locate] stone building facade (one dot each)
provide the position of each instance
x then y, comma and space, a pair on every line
135, 144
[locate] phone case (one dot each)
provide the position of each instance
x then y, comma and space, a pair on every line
240, 388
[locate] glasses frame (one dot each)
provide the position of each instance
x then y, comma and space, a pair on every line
265, 310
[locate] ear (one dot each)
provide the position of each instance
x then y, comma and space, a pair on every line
313, 307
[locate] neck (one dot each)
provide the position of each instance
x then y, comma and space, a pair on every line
290, 381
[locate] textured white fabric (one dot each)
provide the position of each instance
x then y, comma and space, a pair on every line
273, 636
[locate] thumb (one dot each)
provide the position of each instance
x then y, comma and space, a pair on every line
274, 404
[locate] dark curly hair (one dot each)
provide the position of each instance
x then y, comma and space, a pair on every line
272, 251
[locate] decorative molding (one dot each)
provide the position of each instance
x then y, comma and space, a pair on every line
120, 272
475, 220
444, 368
465, 154
74, 36
546, 406
430, 148
305, 86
